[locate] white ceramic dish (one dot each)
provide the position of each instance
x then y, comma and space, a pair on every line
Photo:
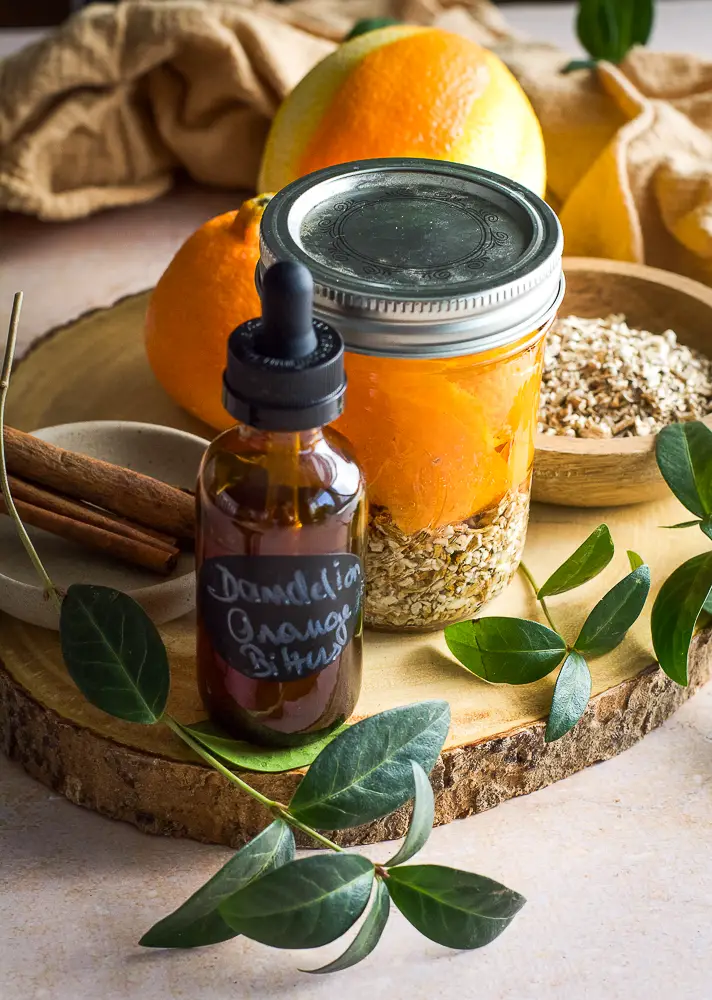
167, 454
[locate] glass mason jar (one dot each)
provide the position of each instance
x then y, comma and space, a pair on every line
443, 280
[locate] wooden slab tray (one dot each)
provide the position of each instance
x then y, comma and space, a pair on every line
495, 748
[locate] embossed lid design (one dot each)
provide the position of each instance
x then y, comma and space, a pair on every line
419, 258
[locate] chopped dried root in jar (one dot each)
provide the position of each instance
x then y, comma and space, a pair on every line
604, 379
434, 577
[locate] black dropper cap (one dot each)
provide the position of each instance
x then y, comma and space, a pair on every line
285, 370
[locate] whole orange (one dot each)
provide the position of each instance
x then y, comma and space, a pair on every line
205, 292
406, 91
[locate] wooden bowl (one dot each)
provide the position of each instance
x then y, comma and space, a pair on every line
586, 472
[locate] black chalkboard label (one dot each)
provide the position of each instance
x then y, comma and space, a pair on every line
280, 618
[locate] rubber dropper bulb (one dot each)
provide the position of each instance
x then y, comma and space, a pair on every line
287, 329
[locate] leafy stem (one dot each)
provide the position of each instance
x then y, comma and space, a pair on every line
314, 834
684, 456
10, 345
276, 808
542, 600
520, 651
263, 893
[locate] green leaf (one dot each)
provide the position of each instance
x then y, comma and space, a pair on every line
506, 650
114, 653
367, 24
675, 612
253, 758
643, 19
634, 559
571, 694
366, 772
608, 29
683, 524
454, 908
587, 561
596, 27
368, 936
684, 457
421, 822
607, 624
304, 904
706, 527
197, 922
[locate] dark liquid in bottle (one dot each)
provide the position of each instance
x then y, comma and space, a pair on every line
288, 495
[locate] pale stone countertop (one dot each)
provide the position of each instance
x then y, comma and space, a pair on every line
614, 861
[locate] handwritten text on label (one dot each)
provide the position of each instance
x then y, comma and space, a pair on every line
281, 617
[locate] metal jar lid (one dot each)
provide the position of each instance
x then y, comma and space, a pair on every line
419, 258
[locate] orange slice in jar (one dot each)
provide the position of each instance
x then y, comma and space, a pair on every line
426, 445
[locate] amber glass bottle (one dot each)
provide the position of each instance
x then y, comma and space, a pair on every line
281, 536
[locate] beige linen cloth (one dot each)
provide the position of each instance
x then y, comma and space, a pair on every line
103, 111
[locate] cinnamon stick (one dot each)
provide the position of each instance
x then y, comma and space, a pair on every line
58, 504
132, 495
148, 556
